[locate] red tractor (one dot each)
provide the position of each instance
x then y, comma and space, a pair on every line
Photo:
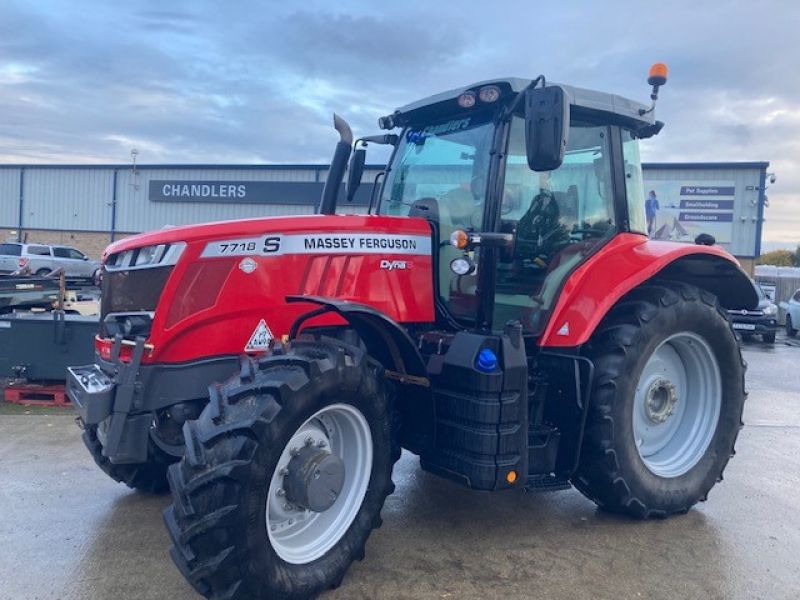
500, 312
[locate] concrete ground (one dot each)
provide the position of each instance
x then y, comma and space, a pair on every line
67, 531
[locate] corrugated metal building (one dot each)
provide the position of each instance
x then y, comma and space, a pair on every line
89, 205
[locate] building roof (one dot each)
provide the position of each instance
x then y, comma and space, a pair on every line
708, 165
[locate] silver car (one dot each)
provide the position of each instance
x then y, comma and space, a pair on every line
792, 308
41, 259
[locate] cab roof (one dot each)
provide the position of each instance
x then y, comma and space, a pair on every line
628, 110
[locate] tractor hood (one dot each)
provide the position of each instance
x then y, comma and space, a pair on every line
220, 289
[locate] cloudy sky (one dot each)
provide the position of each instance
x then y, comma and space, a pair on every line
249, 82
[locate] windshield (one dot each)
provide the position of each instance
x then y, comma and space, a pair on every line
447, 161
442, 169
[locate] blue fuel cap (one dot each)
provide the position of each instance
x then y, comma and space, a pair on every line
487, 361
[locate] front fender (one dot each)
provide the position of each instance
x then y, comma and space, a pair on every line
385, 339
629, 260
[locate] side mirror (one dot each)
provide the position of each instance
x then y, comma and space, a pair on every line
355, 171
546, 127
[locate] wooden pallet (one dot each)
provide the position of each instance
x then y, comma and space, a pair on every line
32, 394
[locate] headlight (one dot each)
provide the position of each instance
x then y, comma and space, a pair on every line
770, 309
149, 255
489, 93
124, 258
462, 266
467, 100
158, 255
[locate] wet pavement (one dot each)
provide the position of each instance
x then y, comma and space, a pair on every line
68, 532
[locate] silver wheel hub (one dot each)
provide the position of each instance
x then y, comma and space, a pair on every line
677, 405
319, 483
314, 478
660, 400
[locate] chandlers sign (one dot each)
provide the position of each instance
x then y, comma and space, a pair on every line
320, 243
247, 192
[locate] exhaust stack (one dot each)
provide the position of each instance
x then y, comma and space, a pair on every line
333, 183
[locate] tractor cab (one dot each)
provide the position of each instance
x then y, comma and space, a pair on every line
522, 181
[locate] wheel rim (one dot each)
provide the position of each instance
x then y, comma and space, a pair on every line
299, 535
677, 405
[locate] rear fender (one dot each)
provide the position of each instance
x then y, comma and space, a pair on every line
630, 260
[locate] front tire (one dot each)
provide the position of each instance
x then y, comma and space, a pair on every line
149, 476
666, 403
769, 338
237, 533
790, 330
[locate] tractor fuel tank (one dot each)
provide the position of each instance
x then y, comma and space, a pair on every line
480, 411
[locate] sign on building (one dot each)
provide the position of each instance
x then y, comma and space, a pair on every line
681, 210
244, 192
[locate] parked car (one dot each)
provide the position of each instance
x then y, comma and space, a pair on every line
762, 320
792, 308
41, 259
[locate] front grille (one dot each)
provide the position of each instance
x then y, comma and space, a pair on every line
746, 313
135, 290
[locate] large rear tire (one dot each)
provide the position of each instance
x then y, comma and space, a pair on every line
149, 476
243, 523
666, 402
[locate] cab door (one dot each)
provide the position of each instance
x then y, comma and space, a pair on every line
558, 219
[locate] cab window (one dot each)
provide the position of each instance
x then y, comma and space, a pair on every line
634, 185
558, 218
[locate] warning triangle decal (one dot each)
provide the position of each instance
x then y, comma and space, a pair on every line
260, 339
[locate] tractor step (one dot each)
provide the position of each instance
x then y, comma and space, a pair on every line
31, 394
543, 443
547, 483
